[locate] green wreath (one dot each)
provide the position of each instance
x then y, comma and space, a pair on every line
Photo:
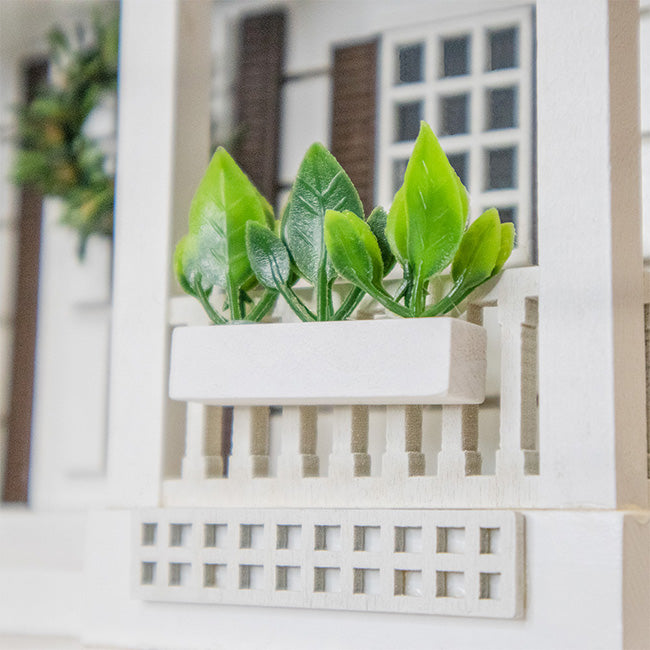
54, 155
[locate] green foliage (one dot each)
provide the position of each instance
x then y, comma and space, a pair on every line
232, 242
213, 253
54, 155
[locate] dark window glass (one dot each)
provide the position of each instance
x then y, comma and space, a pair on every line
454, 112
501, 168
399, 168
460, 163
410, 66
503, 48
508, 215
455, 56
502, 111
408, 117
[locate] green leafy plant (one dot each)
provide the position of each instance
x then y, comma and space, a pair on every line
54, 156
233, 242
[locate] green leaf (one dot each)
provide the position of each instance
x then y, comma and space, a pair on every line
507, 244
268, 256
377, 222
396, 227
180, 266
321, 184
478, 251
426, 221
353, 248
222, 205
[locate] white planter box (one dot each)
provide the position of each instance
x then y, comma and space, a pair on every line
408, 361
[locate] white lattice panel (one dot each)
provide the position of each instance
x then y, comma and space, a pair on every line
462, 563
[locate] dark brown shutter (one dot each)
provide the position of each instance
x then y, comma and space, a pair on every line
354, 113
257, 110
19, 425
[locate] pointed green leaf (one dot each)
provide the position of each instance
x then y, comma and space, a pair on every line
434, 209
507, 244
321, 184
268, 256
478, 251
179, 266
377, 222
396, 227
353, 248
224, 201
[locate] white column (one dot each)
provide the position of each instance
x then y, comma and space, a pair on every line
162, 152
592, 415
203, 440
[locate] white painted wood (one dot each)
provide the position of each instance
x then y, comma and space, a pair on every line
41, 571
433, 360
250, 443
349, 455
592, 411
163, 144
298, 458
403, 456
203, 458
458, 563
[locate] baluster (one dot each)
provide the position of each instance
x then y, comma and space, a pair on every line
349, 455
459, 455
529, 416
518, 318
403, 456
298, 457
202, 443
250, 442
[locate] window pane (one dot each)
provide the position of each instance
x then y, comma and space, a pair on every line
508, 215
455, 56
408, 117
399, 168
454, 112
503, 49
501, 171
502, 113
410, 60
459, 161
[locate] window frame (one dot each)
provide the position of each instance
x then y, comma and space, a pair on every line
476, 84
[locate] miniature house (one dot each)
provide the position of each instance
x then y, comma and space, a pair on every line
518, 523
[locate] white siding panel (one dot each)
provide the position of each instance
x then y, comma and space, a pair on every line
305, 119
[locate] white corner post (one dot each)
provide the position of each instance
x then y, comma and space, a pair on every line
163, 149
591, 333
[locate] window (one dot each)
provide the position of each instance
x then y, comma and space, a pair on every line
472, 80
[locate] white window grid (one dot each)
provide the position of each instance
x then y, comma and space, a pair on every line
448, 562
476, 84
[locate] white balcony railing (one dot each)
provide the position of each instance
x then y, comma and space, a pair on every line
392, 456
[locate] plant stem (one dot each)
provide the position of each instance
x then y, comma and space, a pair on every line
384, 299
264, 305
296, 304
349, 304
233, 301
214, 316
457, 294
415, 297
321, 293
